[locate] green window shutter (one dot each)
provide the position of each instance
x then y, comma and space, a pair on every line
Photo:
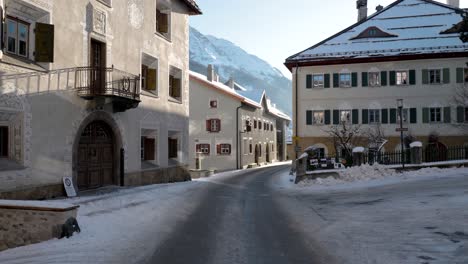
355, 116
327, 117
425, 115
413, 116
393, 115
460, 114
327, 80
365, 116
383, 78
309, 117
392, 78
44, 42
365, 79
446, 75
336, 80
425, 76
447, 114
336, 117
460, 75
384, 116
309, 81
412, 77
354, 80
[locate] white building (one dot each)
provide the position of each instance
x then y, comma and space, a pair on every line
409, 50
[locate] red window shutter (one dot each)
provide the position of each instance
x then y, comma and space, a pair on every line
208, 147
208, 125
229, 145
218, 148
150, 144
219, 124
198, 148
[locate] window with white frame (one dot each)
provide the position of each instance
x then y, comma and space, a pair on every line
175, 83
374, 78
203, 149
17, 37
149, 74
163, 19
250, 146
405, 114
345, 116
402, 77
224, 149
345, 79
317, 80
318, 117
435, 114
435, 76
374, 116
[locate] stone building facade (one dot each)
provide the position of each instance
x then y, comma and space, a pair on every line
96, 90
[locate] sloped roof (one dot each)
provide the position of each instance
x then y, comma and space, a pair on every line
416, 24
195, 9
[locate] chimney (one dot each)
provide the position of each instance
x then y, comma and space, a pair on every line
211, 76
379, 8
361, 6
454, 3
230, 83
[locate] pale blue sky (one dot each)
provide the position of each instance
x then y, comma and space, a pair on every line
276, 29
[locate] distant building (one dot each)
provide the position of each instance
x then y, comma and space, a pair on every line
95, 90
228, 130
409, 50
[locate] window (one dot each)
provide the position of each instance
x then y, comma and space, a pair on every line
318, 117
317, 80
259, 150
435, 76
255, 124
224, 149
17, 33
374, 116
213, 125
248, 125
374, 78
163, 20
466, 74
250, 146
345, 79
271, 127
3, 142
148, 79
320, 153
260, 125
173, 148
435, 114
148, 146
401, 78
404, 113
203, 149
175, 83
213, 103
345, 116
466, 114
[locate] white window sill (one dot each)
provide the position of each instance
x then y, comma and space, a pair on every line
174, 100
161, 35
149, 93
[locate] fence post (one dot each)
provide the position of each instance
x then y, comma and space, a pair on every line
358, 156
416, 152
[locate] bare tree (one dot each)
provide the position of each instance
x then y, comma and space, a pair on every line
375, 137
345, 136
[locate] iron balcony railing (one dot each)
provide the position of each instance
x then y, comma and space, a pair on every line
96, 81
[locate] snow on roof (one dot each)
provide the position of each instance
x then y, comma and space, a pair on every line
258, 95
417, 24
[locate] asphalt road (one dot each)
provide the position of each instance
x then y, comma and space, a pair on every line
239, 221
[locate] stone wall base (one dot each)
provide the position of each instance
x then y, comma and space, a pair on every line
35, 193
157, 176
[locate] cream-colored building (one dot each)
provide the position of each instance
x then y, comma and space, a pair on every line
229, 130
94, 90
409, 50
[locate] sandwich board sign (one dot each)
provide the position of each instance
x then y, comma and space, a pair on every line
69, 187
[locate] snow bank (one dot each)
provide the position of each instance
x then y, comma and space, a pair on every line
358, 150
416, 144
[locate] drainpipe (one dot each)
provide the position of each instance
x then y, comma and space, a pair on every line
237, 137
296, 132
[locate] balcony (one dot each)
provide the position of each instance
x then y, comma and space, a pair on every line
108, 85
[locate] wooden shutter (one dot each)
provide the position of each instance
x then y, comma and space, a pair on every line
327, 117
218, 149
413, 116
385, 116
383, 78
365, 116
393, 116
229, 147
460, 75
149, 148
365, 79
425, 115
309, 81
446, 75
425, 76
460, 114
447, 114
218, 121
354, 80
309, 117
412, 77
44, 42
176, 86
392, 78
151, 79
198, 148
163, 22
208, 125
327, 80
336, 117
336, 80
355, 116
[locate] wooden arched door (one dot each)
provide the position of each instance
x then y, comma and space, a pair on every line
96, 156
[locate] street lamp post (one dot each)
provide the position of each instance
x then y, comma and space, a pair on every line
400, 109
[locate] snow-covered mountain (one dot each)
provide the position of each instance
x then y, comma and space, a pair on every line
248, 70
